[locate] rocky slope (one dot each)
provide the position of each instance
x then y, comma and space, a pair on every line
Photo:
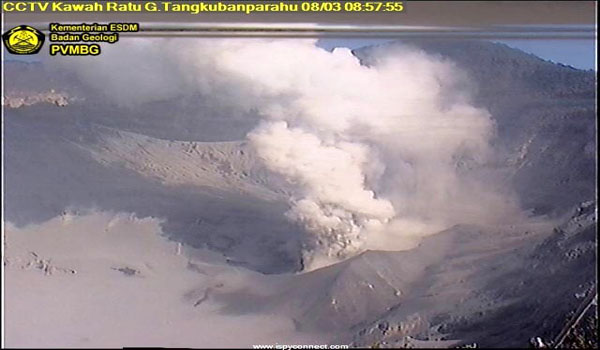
181, 161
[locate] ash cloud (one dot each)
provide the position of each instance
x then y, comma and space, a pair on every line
376, 156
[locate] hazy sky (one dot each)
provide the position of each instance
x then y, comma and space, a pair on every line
577, 53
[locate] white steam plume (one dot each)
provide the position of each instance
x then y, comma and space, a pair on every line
371, 152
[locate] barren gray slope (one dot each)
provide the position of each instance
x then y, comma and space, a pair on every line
48, 171
497, 297
495, 286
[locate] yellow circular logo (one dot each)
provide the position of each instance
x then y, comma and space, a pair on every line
23, 40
